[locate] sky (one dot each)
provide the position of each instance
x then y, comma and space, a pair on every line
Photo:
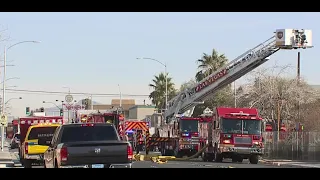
96, 52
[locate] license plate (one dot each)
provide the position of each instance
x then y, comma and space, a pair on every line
97, 166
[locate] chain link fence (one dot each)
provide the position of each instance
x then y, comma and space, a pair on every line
303, 146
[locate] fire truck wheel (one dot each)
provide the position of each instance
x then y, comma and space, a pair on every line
219, 157
210, 157
234, 159
204, 157
240, 159
254, 159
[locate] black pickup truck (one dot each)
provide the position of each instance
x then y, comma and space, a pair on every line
87, 146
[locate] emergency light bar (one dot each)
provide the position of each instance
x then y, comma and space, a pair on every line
241, 114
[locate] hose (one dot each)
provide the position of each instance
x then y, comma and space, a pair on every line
164, 159
193, 156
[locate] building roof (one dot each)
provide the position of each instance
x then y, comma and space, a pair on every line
125, 107
123, 101
142, 106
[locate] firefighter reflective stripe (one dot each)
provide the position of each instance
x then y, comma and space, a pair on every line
136, 125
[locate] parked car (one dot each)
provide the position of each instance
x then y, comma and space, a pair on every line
15, 141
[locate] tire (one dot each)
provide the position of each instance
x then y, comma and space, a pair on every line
204, 157
254, 159
219, 157
240, 159
55, 164
27, 163
234, 159
210, 157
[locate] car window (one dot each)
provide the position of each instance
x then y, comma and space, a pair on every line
45, 133
88, 133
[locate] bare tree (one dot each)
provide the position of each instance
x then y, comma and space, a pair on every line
273, 92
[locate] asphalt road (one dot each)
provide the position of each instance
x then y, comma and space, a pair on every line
197, 163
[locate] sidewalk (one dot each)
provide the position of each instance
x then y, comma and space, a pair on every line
283, 162
5, 157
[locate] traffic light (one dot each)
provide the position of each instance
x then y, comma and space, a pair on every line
27, 110
61, 112
42, 109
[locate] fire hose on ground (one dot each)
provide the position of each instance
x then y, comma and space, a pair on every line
164, 159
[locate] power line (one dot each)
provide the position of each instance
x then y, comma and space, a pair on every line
73, 93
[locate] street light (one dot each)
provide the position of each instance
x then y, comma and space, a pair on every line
12, 99
4, 84
165, 72
9, 79
3, 110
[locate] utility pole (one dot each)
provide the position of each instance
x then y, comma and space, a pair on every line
298, 84
279, 119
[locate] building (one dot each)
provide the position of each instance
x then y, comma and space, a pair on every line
140, 112
126, 104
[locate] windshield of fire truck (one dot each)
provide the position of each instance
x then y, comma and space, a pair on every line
241, 126
109, 118
189, 125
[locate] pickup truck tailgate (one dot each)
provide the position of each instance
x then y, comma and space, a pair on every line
106, 152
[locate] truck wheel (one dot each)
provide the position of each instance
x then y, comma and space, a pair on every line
219, 157
254, 159
210, 157
27, 163
240, 159
204, 157
234, 159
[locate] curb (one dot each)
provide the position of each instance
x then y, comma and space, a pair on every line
284, 164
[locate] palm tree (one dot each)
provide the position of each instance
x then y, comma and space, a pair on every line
158, 85
209, 64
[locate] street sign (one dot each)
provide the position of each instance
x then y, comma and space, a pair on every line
4, 120
69, 98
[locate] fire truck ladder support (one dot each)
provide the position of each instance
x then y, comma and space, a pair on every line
231, 72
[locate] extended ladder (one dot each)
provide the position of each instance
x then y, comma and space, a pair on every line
284, 39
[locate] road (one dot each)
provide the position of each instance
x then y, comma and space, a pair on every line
192, 164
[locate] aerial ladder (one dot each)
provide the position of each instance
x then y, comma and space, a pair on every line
186, 100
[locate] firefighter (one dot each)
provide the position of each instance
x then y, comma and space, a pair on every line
140, 141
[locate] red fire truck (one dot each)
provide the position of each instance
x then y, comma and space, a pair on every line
106, 116
237, 134
179, 138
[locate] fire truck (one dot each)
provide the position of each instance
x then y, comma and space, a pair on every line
183, 104
132, 129
236, 133
103, 116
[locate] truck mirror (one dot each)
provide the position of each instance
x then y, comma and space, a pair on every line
214, 124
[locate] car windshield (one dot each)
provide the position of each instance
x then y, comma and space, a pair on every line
88, 133
45, 133
189, 125
241, 126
